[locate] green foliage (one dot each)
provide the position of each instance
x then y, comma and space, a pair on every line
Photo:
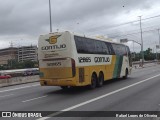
148, 55
28, 64
14, 64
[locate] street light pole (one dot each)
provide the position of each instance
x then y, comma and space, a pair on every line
159, 37
50, 16
141, 42
158, 56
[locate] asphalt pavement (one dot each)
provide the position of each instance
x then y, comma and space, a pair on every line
140, 92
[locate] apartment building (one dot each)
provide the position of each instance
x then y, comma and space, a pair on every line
7, 54
27, 53
20, 54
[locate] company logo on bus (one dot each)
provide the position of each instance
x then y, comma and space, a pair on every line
53, 39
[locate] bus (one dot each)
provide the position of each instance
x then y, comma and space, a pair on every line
67, 59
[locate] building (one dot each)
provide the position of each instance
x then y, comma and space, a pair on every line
7, 54
20, 54
27, 53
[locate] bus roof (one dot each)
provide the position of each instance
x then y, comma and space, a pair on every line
83, 35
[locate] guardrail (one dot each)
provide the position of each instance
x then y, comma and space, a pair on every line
138, 62
18, 80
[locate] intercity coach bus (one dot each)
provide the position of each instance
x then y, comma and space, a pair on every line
67, 59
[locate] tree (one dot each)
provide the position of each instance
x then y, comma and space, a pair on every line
148, 55
28, 64
14, 64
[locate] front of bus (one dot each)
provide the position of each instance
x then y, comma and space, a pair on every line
57, 68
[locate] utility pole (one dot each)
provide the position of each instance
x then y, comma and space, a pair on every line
156, 54
133, 50
159, 42
159, 35
141, 41
11, 50
133, 46
50, 15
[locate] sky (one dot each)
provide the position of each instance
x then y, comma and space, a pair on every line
23, 21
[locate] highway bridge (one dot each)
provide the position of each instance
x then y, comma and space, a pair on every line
140, 92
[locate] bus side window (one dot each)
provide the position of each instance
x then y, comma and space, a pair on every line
98, 47
110, 48
129, 56
90, 46
80, 45
119, 49
124, 51
129, 53
105, 49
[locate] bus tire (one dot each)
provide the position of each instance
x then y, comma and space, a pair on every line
126, 74
93, 81
100, 80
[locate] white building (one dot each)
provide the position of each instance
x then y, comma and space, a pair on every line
27, 53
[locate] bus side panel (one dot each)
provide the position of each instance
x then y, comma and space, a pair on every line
118, 66
125, 64
110, 68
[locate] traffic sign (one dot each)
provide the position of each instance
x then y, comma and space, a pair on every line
123, 40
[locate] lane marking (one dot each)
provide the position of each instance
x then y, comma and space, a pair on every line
36, 85
18, 88
34, 98
6, 95
97, 98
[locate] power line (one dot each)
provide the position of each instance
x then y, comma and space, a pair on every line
121, 24
133, 33
151, 17
129, 32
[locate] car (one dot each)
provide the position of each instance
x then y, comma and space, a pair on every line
31, 72
4, 76
27, 73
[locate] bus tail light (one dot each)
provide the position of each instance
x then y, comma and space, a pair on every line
73, 67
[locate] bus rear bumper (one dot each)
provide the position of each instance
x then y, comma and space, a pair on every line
57, 82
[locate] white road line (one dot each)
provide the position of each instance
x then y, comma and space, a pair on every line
95, 99
36, 85
18, 88
35, 98
6, 95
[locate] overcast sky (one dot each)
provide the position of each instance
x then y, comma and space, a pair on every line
22, 21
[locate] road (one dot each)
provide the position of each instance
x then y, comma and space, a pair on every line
140, 92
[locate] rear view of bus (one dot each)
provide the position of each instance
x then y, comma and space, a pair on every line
55, 59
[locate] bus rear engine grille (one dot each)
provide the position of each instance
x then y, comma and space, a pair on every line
81, 75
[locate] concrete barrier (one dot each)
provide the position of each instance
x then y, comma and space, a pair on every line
18, 80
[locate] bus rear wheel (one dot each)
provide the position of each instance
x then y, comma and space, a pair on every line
100, 80
93, 81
